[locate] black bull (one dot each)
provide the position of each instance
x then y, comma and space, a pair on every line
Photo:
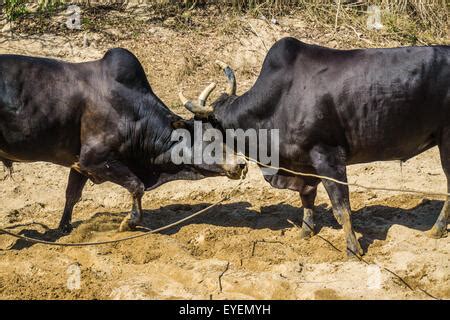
99, 118
340, 107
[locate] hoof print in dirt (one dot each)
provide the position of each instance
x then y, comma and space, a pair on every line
355, 253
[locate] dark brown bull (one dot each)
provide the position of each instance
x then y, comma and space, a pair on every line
339, 107
99, 118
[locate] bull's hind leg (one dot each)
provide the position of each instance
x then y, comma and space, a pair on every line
308, 196
330, 162
74, 189
439, 229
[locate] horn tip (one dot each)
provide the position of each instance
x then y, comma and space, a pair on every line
221, 64
183, 99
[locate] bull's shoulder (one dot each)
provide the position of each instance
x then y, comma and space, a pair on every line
288, 43
284, 52
125, 68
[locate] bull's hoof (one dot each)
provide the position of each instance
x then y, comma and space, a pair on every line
65, 228
355, 251
437, 232
306, 233
127, 225
351, 257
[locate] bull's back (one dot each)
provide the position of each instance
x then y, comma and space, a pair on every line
383, 104
396, 102
40, 107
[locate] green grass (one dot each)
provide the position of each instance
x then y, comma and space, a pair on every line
14, 9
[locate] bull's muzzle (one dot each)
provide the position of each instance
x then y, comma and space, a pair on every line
237, 170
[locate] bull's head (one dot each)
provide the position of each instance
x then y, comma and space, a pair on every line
203, 111
228, 163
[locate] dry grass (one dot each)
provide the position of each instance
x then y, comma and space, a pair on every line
410, 22
416, 21
188, 66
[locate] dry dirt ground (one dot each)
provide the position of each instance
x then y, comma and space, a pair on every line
246, 242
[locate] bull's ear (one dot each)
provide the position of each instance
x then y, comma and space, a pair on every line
179, 124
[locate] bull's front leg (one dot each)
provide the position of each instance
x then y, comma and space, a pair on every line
135, 216
308, 196
330, 162
116, 172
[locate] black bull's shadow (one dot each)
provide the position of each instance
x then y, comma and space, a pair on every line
373, 222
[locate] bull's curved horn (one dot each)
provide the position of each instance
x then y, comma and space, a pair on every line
191, 106
205, 94
195, 108
231, 78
